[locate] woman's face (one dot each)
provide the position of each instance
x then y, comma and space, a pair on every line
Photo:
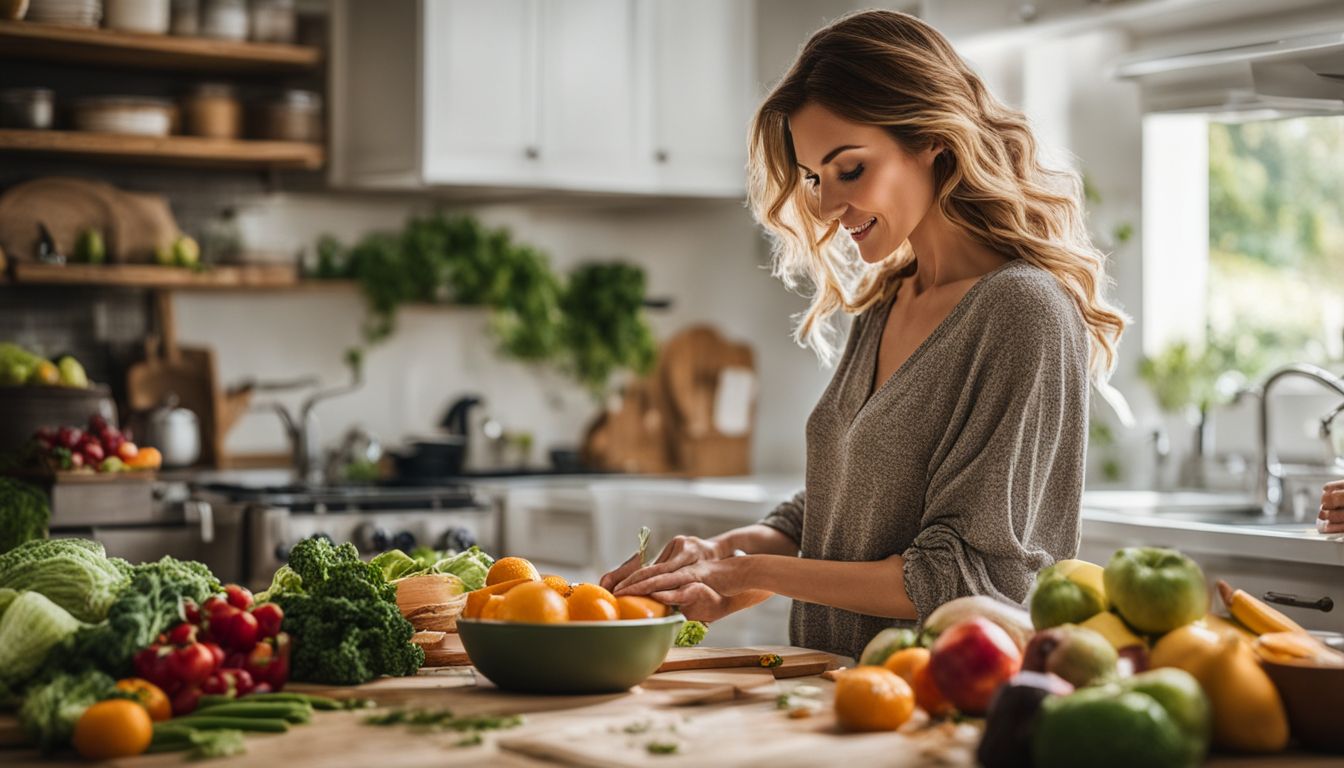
863, 177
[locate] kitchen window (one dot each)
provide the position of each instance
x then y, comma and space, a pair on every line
1244, 238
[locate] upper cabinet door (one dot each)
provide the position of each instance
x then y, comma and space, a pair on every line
479, 97
703, 93
589, 85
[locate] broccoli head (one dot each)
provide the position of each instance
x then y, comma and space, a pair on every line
344, 642
329, 571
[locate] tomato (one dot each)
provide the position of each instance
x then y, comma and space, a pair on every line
236, 631
216, 652
186, 700
213, 603
191, 664
182, 634
152, 665
113, 728
149, 696
269, 617
191, 613
238, 597
242, 680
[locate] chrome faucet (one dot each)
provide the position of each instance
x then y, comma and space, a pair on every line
301, 426
1269, 483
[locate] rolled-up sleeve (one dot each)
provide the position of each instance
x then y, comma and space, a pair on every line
1005, 489
787, 518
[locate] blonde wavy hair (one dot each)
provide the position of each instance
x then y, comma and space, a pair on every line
892, 70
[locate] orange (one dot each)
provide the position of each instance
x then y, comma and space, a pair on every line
510, 568
637, 607
535, 603
928, 695
147, 457
113, 728
491, 609
905, 661
149, 695
477, 599
872, 699
558, 583
589, 602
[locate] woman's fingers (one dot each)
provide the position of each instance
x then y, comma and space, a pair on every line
611, 578
650, 571
658, 582
1331, 515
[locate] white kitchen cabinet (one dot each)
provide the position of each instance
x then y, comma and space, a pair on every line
611, 96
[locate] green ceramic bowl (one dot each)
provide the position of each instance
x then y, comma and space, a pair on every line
575, 657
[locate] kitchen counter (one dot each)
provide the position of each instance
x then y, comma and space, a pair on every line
610, 730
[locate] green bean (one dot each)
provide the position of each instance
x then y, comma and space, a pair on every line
207, 721
293, 712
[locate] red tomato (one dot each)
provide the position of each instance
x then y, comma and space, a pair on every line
238, 597
191, 613
237, 631
269, 616
182, 634
185, 701
191, 664
152, 664
216, 652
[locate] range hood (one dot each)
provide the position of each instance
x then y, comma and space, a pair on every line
1285, 77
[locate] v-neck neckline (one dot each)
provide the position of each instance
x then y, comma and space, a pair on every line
875, 347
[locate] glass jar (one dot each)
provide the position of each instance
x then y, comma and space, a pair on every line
224, 19
294, 116
212, 110
272, 21
149, 16
30, 108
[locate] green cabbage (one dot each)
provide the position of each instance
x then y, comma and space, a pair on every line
470, 566
395, 564
30, 627
76, 574
50, 709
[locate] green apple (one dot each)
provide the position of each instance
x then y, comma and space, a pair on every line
1107, 727
90, 248
186, 253
1180, 694
1156, 590
1080, 656
887, 642
1058, 599
71, 373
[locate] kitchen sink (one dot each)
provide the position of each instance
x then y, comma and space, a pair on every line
1220, 508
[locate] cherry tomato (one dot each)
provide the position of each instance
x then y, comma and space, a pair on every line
238, 597
237, 631
152, 665
149, 696
191, 613
191, 664
183, 634
216, 652
213, 603
269, 616
185, 701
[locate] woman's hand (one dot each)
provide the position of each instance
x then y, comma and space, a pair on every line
679, 552
673, 585
1331, 517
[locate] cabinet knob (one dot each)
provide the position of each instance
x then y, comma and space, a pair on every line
660, 156
532, 153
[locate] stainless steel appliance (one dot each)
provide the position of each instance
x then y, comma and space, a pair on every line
374, 518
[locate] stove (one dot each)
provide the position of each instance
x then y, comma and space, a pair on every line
445, 516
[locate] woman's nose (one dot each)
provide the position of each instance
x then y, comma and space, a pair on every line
829, 205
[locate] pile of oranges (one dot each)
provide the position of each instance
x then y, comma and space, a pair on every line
515, 591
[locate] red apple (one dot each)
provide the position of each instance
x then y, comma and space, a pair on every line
127, 451
971, 660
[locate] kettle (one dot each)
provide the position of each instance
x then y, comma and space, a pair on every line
176, 432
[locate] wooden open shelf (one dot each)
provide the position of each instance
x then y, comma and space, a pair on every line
241, 277
167, 150
64, 45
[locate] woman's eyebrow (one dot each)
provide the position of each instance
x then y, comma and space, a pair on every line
831, 155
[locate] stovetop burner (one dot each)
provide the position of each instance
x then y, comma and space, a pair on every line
350, 498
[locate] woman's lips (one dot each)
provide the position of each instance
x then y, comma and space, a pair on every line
861, 231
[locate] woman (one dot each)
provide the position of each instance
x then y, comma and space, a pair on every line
1331, 517
946, 457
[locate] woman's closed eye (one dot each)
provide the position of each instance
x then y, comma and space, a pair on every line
852, 175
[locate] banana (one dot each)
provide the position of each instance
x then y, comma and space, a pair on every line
1254, 614
1114, 629
1292, 647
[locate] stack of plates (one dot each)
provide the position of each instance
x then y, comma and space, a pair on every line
75, 13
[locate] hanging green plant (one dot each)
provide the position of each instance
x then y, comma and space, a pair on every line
591, 326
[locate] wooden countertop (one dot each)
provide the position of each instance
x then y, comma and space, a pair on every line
736, 723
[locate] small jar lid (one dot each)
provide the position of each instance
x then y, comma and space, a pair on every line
300, 98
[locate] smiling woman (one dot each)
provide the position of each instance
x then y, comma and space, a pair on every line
946, 457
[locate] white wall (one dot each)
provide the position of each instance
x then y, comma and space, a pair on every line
706, 256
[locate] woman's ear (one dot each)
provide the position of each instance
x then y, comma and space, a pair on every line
932, 151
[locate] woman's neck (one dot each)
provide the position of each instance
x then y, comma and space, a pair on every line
946, 254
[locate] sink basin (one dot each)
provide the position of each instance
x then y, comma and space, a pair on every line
1187, 506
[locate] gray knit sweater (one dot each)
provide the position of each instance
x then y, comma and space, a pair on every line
968, 460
